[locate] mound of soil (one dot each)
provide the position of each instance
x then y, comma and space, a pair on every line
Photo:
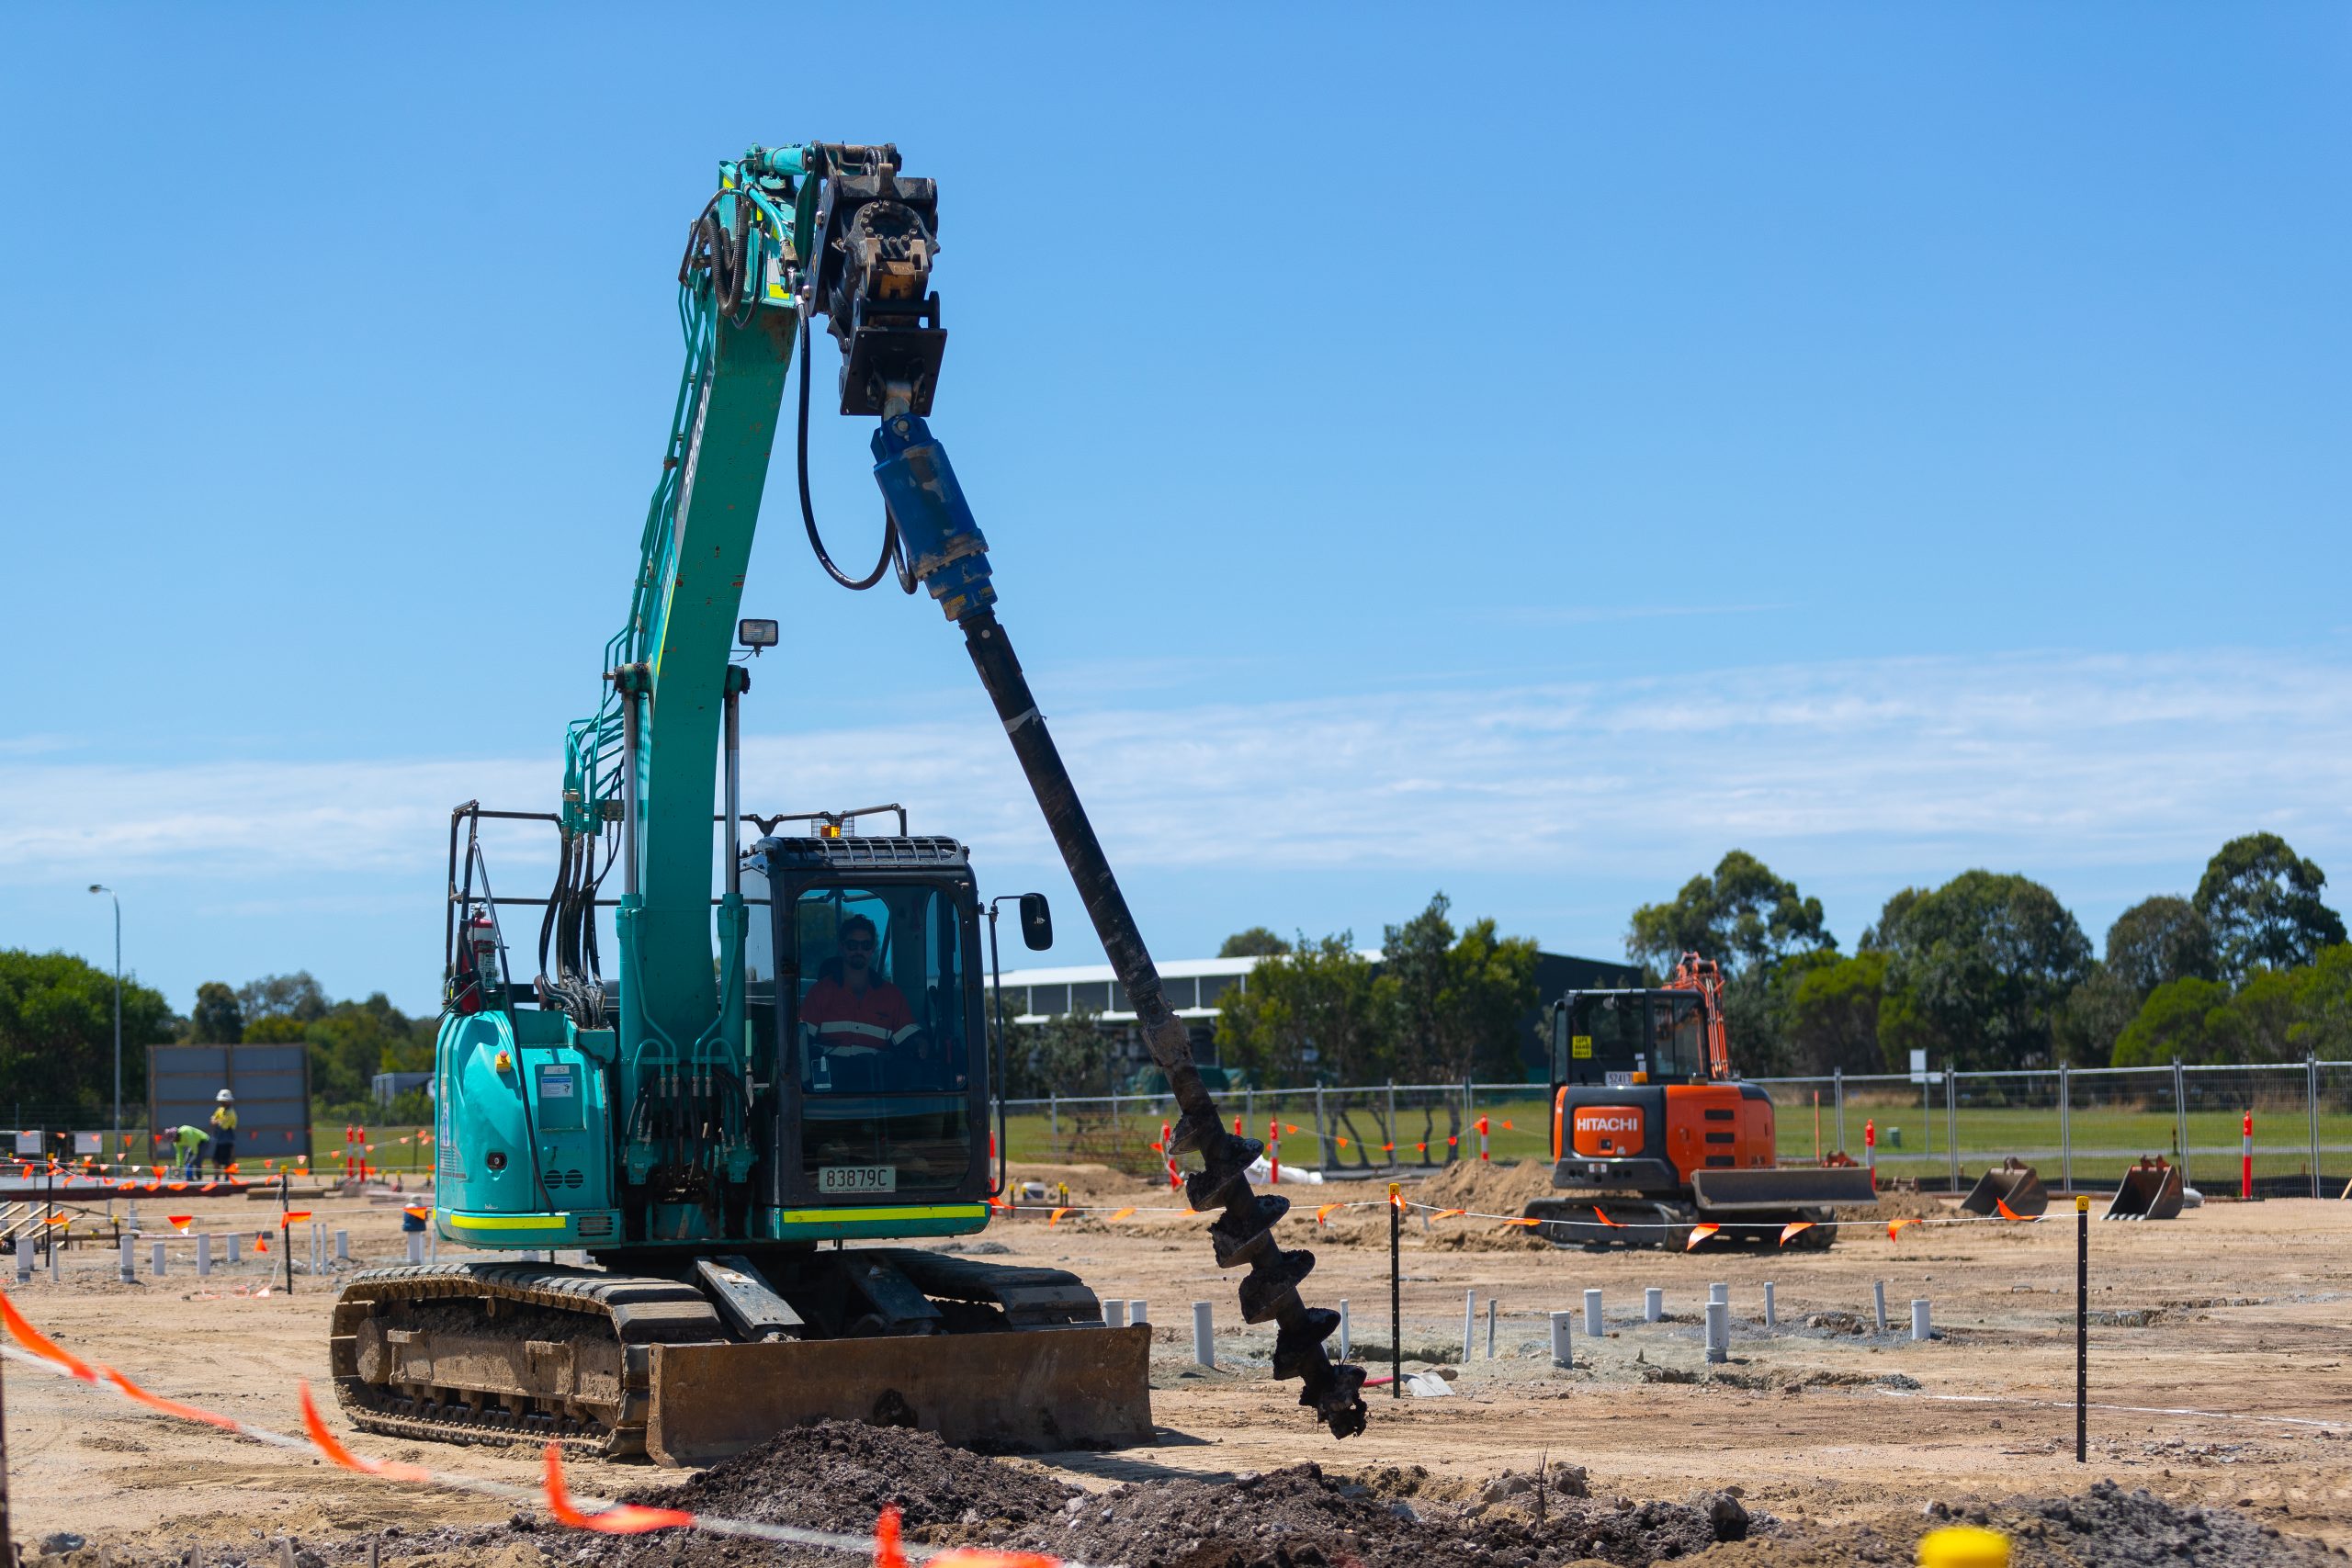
2105, 1526
1489, 1187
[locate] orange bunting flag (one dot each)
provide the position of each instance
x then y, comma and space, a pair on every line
261, 1241
998, 1203
179, 1222
2008, 1213
1323, 1212
1343, 1143
1122, 1214
1423, 1148
1506, 1124
1451, 1142
1448, 1214
1604, 1219
289, 1216
331, 1446
39, 1344
1522, 1222
1290, 1128
1389, 1148
1893, 1227
1157, 1150
1793, 1228
1700, 1234
621, 1519
58, 1220
1055, 1217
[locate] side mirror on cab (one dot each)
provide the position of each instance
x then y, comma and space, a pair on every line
1036, 922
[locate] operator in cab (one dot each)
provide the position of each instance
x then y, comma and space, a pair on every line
851, 1011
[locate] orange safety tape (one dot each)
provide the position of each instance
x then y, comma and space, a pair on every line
888, 1554
1793, 1228
2009, 1213
179, 1222
1522, 1222
1700, 1234
39, 1344
1123, 1213
290, 1215
1343, 1143
1055, 1217
167, 1406
1448, 1214
621, 1519
1323, 1213
1893, 1227
331, 1446
1604, 1219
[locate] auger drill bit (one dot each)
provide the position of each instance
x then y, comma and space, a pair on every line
1244, 1232
945, 551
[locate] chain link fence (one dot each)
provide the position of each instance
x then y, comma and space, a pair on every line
1940, 1128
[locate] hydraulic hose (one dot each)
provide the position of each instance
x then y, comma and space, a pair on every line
808, 510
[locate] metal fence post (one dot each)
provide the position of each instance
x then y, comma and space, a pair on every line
2066, 1131
2180, 1118
1838, 1083
1322, 1139
2310, 1104
1054, 1122
1952, 1122
1392, 1124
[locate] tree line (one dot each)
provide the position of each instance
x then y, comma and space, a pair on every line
1990, 970
57, 1035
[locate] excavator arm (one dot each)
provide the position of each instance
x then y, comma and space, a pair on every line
836, 232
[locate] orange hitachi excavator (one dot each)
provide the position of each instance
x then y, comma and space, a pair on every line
1652, 1136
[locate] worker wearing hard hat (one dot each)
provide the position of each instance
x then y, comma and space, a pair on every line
187, 1145
224, 1131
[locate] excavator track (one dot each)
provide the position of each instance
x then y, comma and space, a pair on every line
1647, 1222
509, 1352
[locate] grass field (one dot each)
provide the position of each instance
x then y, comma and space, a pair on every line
1910, 1141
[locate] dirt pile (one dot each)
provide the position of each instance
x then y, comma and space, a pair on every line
1488, 1188
2105, 1526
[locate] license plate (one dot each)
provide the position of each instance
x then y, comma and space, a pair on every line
857, 1178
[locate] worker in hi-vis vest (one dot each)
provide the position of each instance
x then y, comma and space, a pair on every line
224, 1131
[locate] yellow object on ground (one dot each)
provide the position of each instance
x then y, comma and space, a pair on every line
1964, 1546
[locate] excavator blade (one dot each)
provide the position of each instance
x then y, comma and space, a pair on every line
1040, 1391
1773, 1190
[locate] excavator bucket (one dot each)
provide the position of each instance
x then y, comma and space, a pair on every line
2018, 1186
2151, 1191
1773, 1189
1039, 1390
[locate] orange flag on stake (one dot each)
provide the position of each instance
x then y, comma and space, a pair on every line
1700, 1234
1793, 1228
621, 1519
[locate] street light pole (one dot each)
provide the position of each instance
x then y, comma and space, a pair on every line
114, 1134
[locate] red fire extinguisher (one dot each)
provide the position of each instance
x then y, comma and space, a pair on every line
477, 961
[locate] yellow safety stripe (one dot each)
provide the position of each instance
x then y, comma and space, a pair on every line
509, 1222
828, 1216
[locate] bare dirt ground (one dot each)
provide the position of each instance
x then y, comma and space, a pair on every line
2219, 1377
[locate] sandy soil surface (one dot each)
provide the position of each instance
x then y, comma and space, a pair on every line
2219, 1377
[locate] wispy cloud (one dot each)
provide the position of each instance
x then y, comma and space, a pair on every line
2038, 761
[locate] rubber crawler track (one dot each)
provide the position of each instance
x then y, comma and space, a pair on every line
635, 1312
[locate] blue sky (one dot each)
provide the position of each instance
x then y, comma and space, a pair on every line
1526, 456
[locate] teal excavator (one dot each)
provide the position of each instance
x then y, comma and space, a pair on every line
802, 1060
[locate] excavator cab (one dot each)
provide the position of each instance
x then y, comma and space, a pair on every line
864, 1008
